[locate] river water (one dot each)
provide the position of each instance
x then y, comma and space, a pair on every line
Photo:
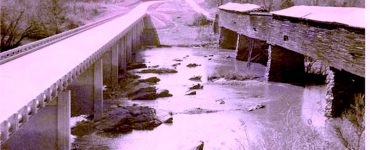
219, 115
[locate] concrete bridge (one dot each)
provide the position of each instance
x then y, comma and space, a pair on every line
45, 83
333, 37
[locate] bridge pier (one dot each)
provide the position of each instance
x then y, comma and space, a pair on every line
115, 64
48, 129
111, 65
285, 66
128, 47
122, 56
107, 68
87, 91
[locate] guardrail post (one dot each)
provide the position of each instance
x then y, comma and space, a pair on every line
98, 89
64, 114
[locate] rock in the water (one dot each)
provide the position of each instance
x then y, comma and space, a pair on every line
196, 78
168, 121
141, 88
191, 93
196, 87
200, 146
199, 111
83, 128
220, 101
151, 80
232, 76
124, 120
145, 96
175, 65
155, 66
177, 59
158, 71
192, 65
136, 66
258, 106
164, 93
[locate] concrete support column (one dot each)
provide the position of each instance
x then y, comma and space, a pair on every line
227, 38
98, 89
87, 91
64, 114
82, 94
133, 35
344, 92
122, 56
107, 67
115, 65
129, 48
285, 66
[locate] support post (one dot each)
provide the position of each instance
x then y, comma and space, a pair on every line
129, 48
107, 68
98, 89
115, 67
122, 56
64, 114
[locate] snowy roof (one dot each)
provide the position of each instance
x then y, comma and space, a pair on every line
351, 16
237, 7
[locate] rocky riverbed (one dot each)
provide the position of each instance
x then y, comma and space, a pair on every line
233, 108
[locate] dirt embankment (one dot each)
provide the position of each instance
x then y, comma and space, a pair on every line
176, 23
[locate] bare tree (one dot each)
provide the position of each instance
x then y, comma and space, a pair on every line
13, 26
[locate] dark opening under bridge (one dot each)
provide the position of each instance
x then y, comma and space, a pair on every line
41, 84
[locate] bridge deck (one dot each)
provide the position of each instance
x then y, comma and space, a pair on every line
23, 79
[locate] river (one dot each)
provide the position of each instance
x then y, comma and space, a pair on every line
219, 114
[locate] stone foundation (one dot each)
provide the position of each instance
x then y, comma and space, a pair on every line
342, 91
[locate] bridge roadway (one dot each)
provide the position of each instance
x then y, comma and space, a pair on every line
26, 78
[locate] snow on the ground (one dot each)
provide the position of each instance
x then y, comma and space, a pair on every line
351, 16
243, 8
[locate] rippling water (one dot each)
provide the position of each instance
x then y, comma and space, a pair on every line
292, 118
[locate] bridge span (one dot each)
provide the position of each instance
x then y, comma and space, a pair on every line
63, 74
